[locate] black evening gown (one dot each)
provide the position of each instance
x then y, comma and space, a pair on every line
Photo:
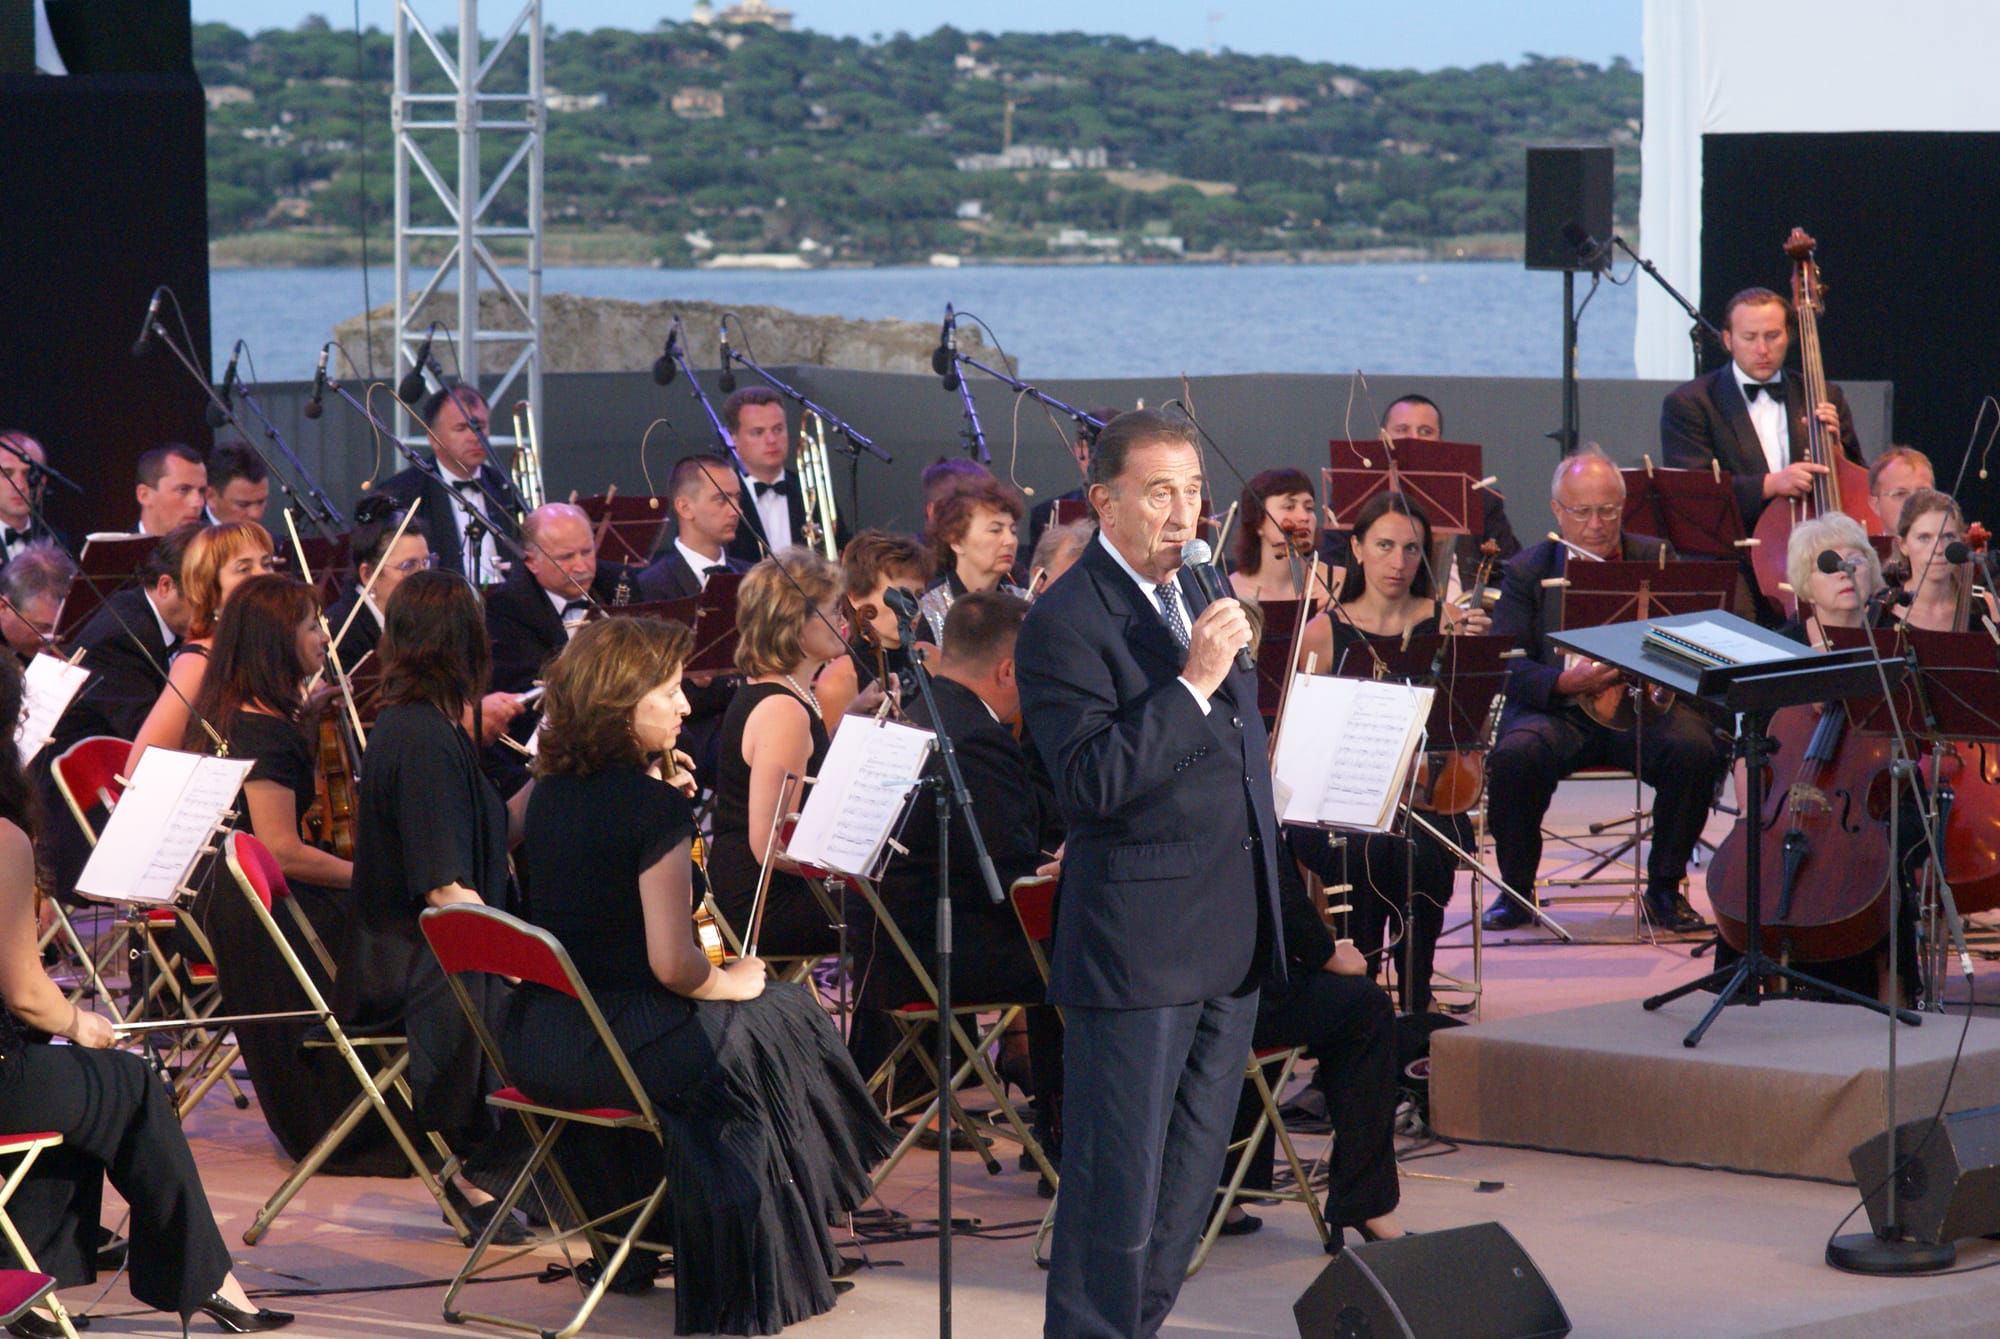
794, 922
770, 1132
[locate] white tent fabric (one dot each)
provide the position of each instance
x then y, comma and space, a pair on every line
1720, 67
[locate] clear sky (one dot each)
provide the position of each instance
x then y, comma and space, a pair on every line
1420, 34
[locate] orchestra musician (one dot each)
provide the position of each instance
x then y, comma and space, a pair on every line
1840, 599
216, 560
1389, 591
172, 488
1545, 734
1892, 477
239, 484
1748, 417
33, 585
774, 510
1277, 526
1936, 593
770, 1133
22, 460
116, 1118
1043, 514
872, 562
943, 477
1057, 551
467, 491
974, 536
430, 830
383, 557
1167, 917
789, 626
706, 495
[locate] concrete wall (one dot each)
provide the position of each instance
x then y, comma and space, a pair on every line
593, 423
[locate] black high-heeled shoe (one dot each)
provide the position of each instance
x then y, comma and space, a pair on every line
1338, 1241
238, 1321
476, 1217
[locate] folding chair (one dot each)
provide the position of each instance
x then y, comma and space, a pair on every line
257, 875
17, 1293
87, 774
911, 1018
19, 1290
472, 938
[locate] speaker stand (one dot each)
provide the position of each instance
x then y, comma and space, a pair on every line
1866, 1253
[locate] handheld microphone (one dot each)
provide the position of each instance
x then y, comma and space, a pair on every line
663, 367
944, 358
146, 329
411, 388
218, 414
1199, 559
1831, 562
901, 602
727, 381
313, 408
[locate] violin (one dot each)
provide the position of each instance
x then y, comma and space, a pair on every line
1844, 485
330, 821
1453, 781
707, 930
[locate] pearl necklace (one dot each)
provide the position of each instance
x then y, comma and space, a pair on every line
810, 697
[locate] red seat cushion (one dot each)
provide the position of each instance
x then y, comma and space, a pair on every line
518, 1098
13, 1141
21, 1289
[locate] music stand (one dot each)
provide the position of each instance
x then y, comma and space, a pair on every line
715, 635
105, 565
1277, 653
1693, 510
1442, 478
625, 526
1069, 510
1751, 690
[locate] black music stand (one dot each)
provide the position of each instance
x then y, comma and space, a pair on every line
106, 564
1693, 510
1751, 690
1440, 477
715, 635
626, 525
1277, 654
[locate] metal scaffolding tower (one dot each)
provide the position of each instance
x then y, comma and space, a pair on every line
487, 104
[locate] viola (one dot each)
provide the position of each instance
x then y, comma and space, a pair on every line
1825, 845
330, 821
1453, 781
1844, 485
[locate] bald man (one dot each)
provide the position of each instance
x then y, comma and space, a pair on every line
530, 615
1545, 734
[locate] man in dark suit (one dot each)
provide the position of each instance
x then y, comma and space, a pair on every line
977, 696
22, 462
774, 508
469, 505
706, 494
33, 585
1750, 417
1168, 916
530, 615
1545, 734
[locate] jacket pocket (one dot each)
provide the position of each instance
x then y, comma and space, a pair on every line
1149, 861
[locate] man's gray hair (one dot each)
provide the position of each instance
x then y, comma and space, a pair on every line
1583, 459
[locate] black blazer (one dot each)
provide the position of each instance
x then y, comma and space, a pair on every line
127, 661
1162, 899
39, 532
751, 542
1528, 611
441, 514
668, 577
1708, 419
525, 628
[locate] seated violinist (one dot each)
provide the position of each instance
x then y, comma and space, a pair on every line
1545, 732
1277, 527
1937, 593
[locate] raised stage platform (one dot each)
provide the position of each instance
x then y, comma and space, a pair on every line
1785, 1088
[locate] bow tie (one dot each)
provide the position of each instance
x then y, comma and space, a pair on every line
10, 536
1774, 389
465, 485
575, 607
782, 488
716, 571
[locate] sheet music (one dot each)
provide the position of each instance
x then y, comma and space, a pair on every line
1733, 646
1344, 750
173, 805
50, 684
859, 795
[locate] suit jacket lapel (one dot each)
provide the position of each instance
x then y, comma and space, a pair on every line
1145, 630
1748, 446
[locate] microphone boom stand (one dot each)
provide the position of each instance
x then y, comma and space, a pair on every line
856, 440
1700, 326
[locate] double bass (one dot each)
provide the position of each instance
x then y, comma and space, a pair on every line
1843, 487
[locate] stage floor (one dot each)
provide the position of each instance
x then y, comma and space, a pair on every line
1633, 1250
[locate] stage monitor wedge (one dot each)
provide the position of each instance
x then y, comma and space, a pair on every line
1462, 1283
1949, 1188
1569, 196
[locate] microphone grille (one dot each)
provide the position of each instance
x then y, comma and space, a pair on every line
1197, 552
1829, 561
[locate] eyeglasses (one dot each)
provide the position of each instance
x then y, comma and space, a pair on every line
1610, 511
409, 565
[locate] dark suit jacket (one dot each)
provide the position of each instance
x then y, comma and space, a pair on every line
443, 518
1708, 419
1018, 819
127, 662
525, 628
668, 577
40, 533
1529, 611
1161, 902
751, 542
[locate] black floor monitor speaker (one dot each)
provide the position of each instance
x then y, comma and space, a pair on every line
1569, 188
1462, 1283
1950, 1189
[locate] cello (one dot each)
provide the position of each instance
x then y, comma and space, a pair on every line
1844, 485
1967, 772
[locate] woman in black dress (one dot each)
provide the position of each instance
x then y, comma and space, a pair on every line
115, 1117
770, 1133
789, 623
1387, 592
872, 562
430, 831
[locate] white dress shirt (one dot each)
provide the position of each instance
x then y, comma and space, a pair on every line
774, 510
699, 563
482, 566
1768, 416
1148, 589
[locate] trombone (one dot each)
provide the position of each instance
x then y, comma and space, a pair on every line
816, 488
525, 470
